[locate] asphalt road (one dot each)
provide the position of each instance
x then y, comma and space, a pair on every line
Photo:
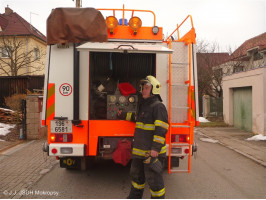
217, 172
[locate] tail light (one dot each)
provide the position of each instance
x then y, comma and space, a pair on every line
54, 151
180, 138
52, 138
60, 137
187, 151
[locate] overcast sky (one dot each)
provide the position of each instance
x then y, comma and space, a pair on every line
227, 22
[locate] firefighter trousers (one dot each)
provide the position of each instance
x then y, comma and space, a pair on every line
139, 172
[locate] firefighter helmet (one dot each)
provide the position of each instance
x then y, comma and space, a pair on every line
156, 86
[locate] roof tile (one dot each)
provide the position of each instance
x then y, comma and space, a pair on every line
258, 41
14, 24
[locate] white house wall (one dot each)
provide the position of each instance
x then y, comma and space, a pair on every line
257, 80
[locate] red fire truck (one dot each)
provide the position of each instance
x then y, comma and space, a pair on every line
89, 57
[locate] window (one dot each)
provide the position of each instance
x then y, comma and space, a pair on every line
4, 52
258, 56
238, 69
36, 53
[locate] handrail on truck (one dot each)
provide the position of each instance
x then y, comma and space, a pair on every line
189, 42
178, 26
132, 10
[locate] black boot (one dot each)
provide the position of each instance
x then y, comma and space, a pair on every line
135, 193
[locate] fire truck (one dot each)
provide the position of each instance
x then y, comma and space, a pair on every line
94, 65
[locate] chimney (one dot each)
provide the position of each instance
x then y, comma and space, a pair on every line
8, 10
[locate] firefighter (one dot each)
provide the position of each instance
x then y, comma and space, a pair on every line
149, 141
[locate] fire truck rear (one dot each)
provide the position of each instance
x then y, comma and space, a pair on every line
94, 66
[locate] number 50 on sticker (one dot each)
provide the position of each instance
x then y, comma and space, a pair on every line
65, 89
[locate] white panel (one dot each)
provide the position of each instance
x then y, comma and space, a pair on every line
162, 74
45, 83
179, 115
84, 85
122, 47
180, 54
78, 149
61, 71
179, 74
179, 96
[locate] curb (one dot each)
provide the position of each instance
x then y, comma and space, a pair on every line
236, 150
11, 146
12, 149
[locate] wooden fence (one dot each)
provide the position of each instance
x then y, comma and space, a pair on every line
10, 85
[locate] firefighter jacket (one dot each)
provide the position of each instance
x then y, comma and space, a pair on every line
151, 127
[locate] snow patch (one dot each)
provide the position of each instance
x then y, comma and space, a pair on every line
4, 128
202, 119
2, 140
257, 138
208, 140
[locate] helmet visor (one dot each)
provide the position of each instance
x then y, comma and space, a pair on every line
145, 81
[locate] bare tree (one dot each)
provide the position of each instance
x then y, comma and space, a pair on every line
16, 56
210, 72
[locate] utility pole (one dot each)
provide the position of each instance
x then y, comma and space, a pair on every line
78, 3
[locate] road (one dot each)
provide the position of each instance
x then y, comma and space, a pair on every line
217, 172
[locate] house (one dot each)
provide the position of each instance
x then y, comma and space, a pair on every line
244, 86
22, 47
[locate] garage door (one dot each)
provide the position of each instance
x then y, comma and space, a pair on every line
243, 108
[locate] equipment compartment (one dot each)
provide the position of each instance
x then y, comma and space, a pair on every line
107, 70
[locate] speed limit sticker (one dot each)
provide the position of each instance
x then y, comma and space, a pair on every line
65, 89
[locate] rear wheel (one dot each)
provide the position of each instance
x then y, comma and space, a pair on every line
83, 164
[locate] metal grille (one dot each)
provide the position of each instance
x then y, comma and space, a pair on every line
180, 54
179, 75
179, 115
179, 96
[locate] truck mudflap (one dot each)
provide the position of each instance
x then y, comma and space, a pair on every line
66, 149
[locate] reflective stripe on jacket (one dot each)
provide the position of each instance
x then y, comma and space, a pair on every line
151, 127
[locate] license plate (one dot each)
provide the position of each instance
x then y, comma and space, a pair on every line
70, 163
61, 126
176, 150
